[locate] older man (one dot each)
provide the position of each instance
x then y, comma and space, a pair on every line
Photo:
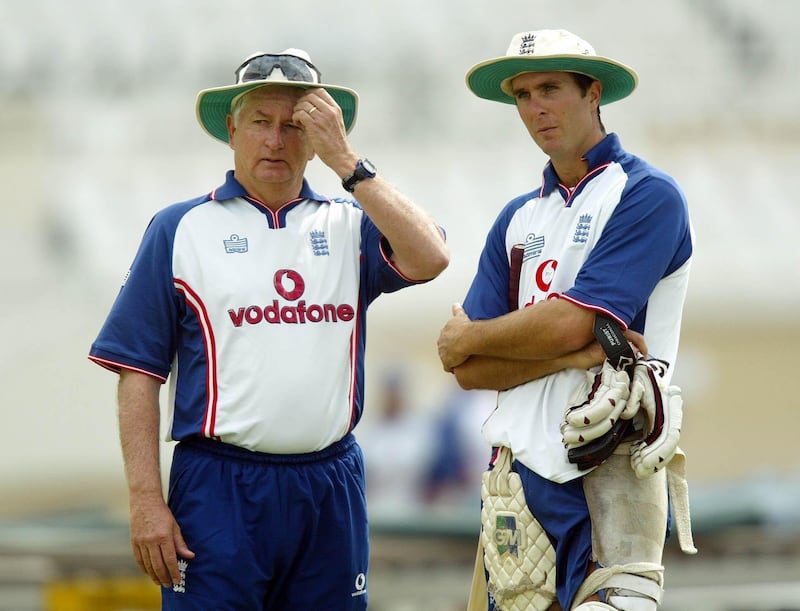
252, 299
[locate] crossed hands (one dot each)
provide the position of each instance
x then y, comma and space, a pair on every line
454, 348
450, 342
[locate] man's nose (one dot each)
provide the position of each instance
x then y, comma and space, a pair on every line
533, 106
274, 137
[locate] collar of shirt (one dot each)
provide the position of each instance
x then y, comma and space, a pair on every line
602, 153
232, 188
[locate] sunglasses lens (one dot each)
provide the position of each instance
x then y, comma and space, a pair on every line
277, 67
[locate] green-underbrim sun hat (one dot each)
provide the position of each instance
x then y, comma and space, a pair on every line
291, 67
549, 51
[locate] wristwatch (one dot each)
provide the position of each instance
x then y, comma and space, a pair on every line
364, 169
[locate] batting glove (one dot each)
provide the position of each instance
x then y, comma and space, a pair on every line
663, 407
598, 402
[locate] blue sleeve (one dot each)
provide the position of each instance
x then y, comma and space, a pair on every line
647, 238
141, 329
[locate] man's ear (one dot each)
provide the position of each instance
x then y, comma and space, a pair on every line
231, 129
596, 92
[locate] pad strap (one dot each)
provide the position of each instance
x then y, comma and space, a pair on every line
679, 496
643, 577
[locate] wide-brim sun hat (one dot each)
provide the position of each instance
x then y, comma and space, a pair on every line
291, 67
549, 51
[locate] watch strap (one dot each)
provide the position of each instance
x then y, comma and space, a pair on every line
360, 173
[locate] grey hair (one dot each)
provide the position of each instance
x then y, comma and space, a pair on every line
237, 104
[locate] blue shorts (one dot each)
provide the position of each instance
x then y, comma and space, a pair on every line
270, 531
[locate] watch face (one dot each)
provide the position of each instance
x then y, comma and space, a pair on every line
368, 166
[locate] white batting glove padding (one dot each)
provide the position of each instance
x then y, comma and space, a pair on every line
595, 406
663, 407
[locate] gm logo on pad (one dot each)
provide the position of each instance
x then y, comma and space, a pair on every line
507, 537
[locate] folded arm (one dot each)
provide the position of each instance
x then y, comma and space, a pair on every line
543, 331
501, 374
508, 351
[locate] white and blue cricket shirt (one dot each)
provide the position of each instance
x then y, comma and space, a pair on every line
256, 317
619, 243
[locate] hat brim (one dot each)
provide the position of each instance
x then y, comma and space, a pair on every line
213, 105
486, 78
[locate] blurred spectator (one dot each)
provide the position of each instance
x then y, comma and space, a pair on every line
397, 445
460, 454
